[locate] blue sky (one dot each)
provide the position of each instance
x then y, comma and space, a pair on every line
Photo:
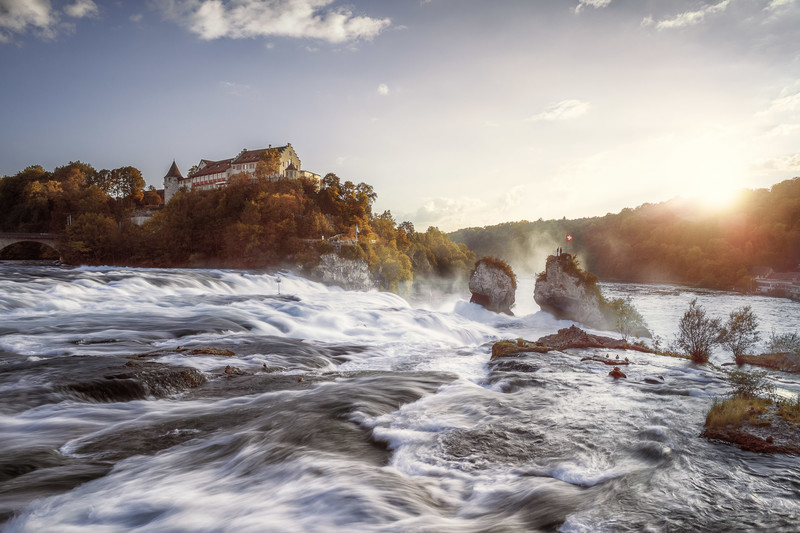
458, 112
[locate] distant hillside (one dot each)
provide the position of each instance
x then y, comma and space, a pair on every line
675, 241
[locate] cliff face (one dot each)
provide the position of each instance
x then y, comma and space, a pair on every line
492, 287
349, 274
568, 293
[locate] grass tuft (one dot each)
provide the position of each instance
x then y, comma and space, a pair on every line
736, 411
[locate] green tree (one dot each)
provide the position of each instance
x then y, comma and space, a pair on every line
627, 319
93, 237
697, 333
740, 333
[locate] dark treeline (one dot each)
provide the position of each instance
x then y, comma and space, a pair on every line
252, 223
35, 200
676, 241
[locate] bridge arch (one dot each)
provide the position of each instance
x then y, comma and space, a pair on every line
10, 239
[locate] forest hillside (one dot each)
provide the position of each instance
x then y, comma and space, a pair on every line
677, 241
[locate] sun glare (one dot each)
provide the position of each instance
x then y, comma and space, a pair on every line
714, 196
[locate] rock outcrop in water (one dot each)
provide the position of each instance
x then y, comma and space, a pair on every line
350, 274
493, 285
765, 433
568, 292
571, 337
139, 380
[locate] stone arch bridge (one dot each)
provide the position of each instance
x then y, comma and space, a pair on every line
7, 239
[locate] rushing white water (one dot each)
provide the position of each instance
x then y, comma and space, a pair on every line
352, 411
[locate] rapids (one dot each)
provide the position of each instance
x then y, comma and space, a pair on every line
355, 411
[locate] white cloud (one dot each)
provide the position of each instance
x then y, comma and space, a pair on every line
692, 18
564, 110
383, 89
785, 104
594, 3
778, 4
446, 213
789, 163
783, 130
241, 19
137, 17
81, 9
19, 16
39, 17
235, 89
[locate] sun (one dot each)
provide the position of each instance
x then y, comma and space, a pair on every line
714, 195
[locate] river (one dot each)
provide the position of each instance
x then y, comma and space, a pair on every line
357, 412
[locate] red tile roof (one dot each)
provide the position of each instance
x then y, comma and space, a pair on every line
254, 156
212, 167
173, 171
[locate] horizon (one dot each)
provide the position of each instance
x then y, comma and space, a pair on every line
459, 116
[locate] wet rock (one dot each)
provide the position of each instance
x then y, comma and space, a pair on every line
747, 441
350, 274
654, 381
571, 337
511, 348
493, 285
575, 337
233, 371
212, 351
785, 362
617, 373
607, 361
139, 381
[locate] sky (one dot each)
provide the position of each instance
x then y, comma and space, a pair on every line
458, 112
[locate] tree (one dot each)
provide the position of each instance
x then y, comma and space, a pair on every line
123, 182
128, 183
628, 321
697, 333
740, 332
269, 164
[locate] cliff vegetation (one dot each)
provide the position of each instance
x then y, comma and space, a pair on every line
252, 223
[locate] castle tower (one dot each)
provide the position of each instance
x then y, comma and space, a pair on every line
172, 182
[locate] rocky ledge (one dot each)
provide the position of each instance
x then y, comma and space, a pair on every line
350, 274
571, 337
772, 434
137, 380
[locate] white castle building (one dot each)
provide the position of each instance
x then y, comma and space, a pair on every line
215, 174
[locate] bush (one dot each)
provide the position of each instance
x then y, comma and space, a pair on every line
627, 320
752, 384
740, 332
786, 343
697, 333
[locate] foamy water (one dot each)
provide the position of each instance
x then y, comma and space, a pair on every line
398, 424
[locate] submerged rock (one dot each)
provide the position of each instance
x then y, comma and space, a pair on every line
493, 285
138, 381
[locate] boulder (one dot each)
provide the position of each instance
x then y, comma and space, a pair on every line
569, 293
617, 373
493, 285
